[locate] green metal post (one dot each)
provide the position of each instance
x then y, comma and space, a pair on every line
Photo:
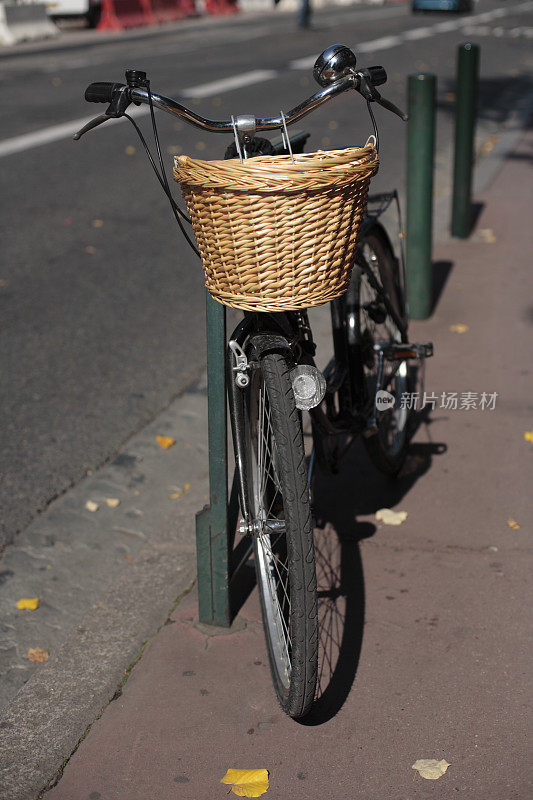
420, 162
465, 121
212, 521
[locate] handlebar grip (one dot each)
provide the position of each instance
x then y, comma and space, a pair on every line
378, 75
101, 92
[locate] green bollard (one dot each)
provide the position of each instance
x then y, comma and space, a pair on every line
420, 162
465, 121
212, 522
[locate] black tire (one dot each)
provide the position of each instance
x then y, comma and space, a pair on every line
283, 534
371, 323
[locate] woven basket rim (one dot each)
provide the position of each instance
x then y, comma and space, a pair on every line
264, 173
324, 158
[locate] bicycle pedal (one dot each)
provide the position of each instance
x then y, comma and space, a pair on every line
401, 352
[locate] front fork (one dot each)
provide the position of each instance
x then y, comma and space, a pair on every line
237, 380
259, 334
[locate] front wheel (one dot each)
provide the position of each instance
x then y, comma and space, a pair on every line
280, 521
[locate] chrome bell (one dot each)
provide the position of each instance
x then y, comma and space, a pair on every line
335, 62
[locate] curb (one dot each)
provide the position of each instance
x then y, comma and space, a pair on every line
125, 603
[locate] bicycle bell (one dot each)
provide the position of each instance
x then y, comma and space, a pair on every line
335, 62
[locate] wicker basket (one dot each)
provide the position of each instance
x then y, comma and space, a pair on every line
273, 235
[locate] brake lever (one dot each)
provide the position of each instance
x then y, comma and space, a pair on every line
370, 93
116, 109
391, 107
90, 125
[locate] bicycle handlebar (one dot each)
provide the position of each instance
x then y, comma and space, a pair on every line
137, 91
259, 123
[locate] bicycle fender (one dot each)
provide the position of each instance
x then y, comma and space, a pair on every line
264, 343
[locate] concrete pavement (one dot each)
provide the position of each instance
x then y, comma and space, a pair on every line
424, 651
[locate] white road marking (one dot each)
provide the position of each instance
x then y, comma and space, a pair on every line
417, 33
386, 42
19, 143
55, 133
227, 84
67, 129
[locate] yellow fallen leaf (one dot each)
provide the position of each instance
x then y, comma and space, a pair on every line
112, 502
130, 150
247, 782
180, 492
528, 436
487, 235
165, 441
513, 524
430, 768
459, 328
90, 505
37, 654
488, 146
28, 603
389, 517
97, 223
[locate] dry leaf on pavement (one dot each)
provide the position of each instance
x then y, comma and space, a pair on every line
112, 502
28, 603
459, 328
247, 782
90, 505
390, 517
528, 436
487, 235
165, 441
37, 654
513, 524
430, 768
180, 492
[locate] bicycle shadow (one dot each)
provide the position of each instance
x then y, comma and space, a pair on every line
358, 489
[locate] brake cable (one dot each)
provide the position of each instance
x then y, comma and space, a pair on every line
161, 175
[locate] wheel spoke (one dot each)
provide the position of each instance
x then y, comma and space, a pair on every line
271, 433
268, 494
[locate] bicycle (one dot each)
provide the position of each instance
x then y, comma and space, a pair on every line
272, 376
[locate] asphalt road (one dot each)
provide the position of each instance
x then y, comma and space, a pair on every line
102, 303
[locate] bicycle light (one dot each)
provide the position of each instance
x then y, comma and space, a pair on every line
308, 385
335, 62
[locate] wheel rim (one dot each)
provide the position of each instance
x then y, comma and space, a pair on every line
392, 422
269, 532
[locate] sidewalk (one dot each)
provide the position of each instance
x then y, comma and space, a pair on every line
423, 653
